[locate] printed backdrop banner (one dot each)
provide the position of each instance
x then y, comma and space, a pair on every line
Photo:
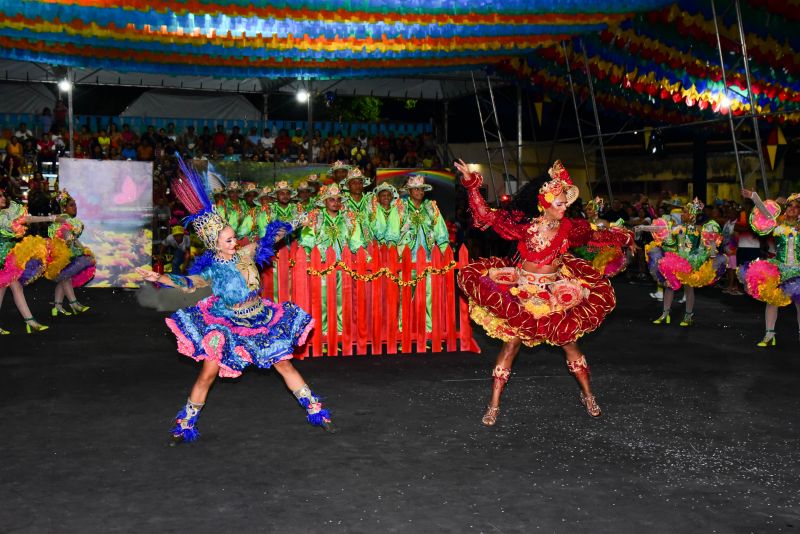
443, 183
115, 203
220, 172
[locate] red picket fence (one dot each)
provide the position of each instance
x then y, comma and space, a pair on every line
374, 309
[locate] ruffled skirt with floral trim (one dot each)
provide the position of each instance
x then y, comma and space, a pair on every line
22, 261
555, 309
269, 334
771, 281
672, 270
63, 263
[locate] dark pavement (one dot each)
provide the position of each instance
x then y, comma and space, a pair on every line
699, 432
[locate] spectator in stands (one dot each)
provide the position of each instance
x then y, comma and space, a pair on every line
363, 141
206, 141
144, 151
358, 155
267, 140
220, 140
252, 141
171, 133
236, 140
128, 152
301, 158
39, 203
189, 140
231, 155
46, 120
46, 150
297, 138
80, 154
615, 212
127, 135
177, 244
60, 115
104, 141
23, 133
282, 142
149, 136
116, 136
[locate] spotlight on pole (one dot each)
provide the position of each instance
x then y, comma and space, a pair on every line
302, 96
65, 86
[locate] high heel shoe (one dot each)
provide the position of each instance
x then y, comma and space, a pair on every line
688, 319
663, 318
32, 326
77, 307
592, 408
58, 309
769, 339
4, 332
490, 417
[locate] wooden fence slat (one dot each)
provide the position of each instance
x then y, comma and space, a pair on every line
467, 343
436, 302
406, 302
361, 302
316, 302
331, 302
299, 293
450, 300
392, 300
421, 300
379, 313
348, 323
283, 274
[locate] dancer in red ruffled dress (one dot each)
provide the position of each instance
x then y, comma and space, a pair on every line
548, 296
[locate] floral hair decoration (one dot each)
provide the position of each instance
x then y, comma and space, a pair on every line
559, 182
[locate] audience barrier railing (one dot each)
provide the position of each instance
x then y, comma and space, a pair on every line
381, 307
139, 124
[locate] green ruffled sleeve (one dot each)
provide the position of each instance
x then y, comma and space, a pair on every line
440, 234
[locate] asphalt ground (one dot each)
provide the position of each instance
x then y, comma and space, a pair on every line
699, 432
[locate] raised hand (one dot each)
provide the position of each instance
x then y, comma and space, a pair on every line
469, 179
746, 193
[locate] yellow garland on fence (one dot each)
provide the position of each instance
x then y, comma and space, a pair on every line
383, 271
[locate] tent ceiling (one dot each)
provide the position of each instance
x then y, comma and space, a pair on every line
311, 39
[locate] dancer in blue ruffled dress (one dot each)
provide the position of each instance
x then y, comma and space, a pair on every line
235, 327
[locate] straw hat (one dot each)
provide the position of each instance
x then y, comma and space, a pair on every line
416, 181
386, 186
233, 186
355, 174
266, 191
328, 191
283, 185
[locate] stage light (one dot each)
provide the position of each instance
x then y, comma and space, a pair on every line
65, 86
725, 102
302, 96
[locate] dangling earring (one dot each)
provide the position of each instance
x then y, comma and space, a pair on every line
541, 209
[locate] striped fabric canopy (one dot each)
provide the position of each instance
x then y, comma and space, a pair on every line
314, 39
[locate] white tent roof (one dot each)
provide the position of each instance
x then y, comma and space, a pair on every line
431, 87
25, 98
157, 103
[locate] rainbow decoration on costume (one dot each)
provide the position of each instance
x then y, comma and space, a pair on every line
309, 39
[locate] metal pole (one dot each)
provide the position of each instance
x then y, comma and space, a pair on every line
70, 117
519, 135
485, 139
597, 121
310, 120
725, 84
446, 130
577, 117
750, 97
499, 133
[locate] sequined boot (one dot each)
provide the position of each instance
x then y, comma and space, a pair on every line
317, 415
184, 430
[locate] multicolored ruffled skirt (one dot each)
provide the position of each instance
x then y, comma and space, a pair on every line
671, 270
771, 281
556, 308
63, 264
608, 261
23, 261
261, 334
